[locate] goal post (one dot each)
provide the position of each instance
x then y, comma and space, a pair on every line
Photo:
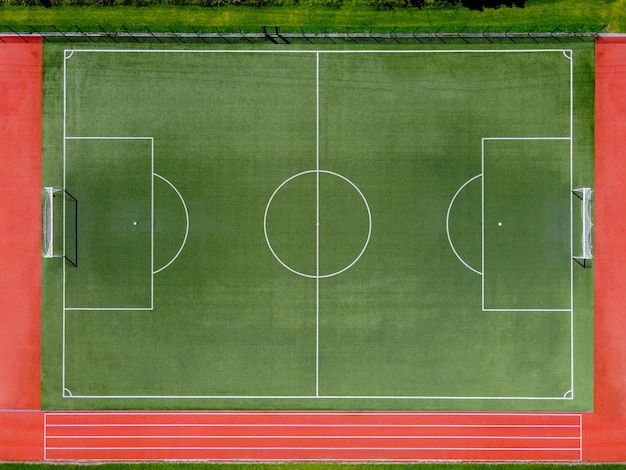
60, 225
586, 233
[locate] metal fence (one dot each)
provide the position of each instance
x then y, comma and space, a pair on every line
274, 34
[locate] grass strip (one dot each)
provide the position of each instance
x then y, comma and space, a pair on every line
314, 17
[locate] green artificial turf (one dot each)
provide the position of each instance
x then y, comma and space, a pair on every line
310, 192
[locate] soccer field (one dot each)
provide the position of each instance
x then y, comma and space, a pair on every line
318, 228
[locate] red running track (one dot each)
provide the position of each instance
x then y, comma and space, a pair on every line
605, 428
20, 222
319, 436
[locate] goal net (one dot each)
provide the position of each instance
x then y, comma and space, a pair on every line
585, 195
60, 225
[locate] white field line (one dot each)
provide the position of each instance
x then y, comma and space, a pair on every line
360, 414
63, 295
482, 221
317, 224
315, 51
68, 53
534, 449
448, 224
526, 138
527, 310
108, 309
325, 436
571, 179
152, 224
328, 397
331, 426
309, 448
186, 226
105, 137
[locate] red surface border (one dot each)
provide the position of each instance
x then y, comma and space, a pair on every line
21, 436
30, 435
20, 222
605, 429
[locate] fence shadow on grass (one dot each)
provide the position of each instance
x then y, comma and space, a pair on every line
277, 35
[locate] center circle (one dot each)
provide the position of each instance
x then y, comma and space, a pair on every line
317, 224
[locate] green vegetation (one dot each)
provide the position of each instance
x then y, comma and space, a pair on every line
313, 16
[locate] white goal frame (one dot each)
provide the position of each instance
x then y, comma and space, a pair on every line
47, 219
586, 196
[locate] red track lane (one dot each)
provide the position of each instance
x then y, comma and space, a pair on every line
337, 431
283, 436
21, 438
312, 418
20, 222
605, 429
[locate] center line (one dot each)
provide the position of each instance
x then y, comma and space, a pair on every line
317, 226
